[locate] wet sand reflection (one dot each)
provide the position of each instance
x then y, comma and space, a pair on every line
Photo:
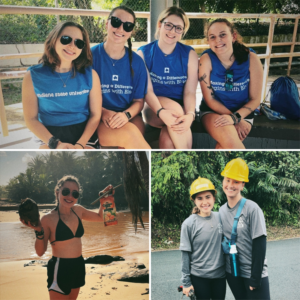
17, 241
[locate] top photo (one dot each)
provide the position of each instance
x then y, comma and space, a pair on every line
130, 74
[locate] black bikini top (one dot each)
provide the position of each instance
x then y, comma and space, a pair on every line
63, 232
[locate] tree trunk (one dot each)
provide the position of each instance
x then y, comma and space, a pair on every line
132, 185
145, 168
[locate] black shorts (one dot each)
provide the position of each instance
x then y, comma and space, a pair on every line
70, 134
179, 101
65, 274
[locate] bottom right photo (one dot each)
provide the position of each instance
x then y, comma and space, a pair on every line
225, 225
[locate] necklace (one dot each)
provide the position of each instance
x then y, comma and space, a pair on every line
65, 83
113, 61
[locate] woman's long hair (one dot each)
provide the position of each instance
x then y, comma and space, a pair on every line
50, 57
173, 10
196, 210
130, 11
240, 51
61, 182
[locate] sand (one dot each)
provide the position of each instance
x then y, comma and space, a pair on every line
18, 282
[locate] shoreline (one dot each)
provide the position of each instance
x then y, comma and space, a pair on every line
30, 282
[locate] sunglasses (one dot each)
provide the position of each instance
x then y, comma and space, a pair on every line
65, 40
66, 192
116, 23
228, 80
169, 26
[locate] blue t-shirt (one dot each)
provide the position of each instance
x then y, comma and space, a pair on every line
168, 72
118, 86
238, 96
59, 105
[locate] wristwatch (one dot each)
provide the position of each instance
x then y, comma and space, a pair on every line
52, 144
128, 115
239, 118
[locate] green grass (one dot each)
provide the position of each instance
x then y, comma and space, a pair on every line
12, 93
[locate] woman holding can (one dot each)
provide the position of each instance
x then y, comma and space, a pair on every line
63, 228
253, 282
203, 264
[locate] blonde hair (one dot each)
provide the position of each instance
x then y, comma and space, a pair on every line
173, 10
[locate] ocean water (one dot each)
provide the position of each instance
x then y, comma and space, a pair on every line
17, 240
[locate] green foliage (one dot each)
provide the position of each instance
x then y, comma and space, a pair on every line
95, 170
274, 182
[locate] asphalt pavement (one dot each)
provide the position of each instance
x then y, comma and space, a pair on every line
283, 269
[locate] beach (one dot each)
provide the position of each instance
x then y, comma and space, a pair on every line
30, 282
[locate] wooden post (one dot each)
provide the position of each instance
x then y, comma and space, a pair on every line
3, 114
268, 59
292, 46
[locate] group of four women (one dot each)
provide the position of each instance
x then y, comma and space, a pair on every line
77, 95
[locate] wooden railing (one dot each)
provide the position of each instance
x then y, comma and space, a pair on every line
8, 9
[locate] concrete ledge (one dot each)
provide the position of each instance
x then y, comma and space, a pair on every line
265, 134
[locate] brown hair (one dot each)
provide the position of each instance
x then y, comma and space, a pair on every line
130, 11
173, 10
196, 210
240, 51
50, 57
61, 182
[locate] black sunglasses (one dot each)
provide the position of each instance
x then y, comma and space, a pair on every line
116, 23
66, 192
228, 80
65, 40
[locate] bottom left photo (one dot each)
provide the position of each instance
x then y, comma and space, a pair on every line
74, 225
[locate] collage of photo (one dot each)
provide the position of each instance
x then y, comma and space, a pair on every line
149, 150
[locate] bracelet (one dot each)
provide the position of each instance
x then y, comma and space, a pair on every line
157, 113
39, 233
233, 118
192, 113
79, 145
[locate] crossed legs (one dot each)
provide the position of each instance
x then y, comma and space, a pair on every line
168, 138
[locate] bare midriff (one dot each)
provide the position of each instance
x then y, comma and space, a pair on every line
67, 249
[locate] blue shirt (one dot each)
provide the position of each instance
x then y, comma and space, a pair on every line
168, 72
238, 96
118, 86
59, 105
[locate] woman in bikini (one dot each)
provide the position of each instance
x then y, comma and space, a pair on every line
61, 95
63, 228
172, 81
231, 78
124, 83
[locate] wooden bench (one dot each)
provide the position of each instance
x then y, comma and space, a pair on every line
265, 134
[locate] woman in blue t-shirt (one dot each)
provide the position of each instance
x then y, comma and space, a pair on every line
231, 78
123, 82
61, 96
172, 70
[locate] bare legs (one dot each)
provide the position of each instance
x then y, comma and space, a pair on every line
57, 296
226, 136
168, 138
130, 136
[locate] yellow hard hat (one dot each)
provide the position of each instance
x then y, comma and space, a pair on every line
236, 169
201, 185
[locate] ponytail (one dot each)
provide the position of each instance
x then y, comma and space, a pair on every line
240, 52
130, 56
196, 210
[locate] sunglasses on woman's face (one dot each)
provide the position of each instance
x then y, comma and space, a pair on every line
66, 192
228, 80
116, 23
65, 40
